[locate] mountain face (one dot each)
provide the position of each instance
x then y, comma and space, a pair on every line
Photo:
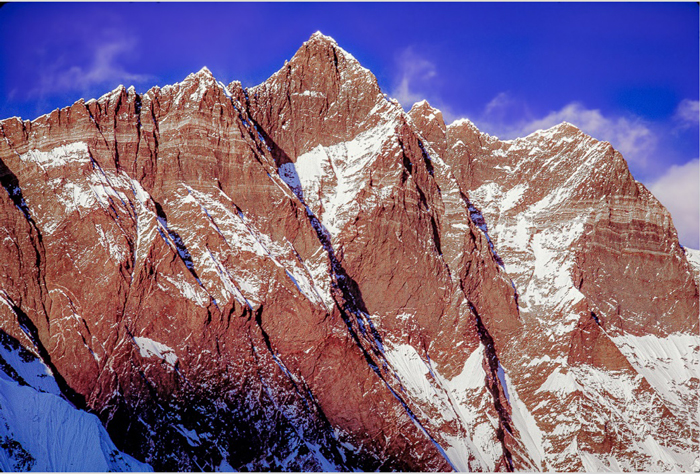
302, 276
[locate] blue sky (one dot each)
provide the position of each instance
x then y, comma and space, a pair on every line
623, 72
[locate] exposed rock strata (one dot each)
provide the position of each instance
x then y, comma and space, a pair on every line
302, 276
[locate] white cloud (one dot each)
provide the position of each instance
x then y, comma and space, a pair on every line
499, 104
688, 113
679, 190
415, 74
630, 135
103, 67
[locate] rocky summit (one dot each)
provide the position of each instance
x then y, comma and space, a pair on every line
302, 276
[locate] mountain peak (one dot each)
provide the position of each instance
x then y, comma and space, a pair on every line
308, 230
424, 108
203, 73
566, 126
320, 37
319, 41
422, 104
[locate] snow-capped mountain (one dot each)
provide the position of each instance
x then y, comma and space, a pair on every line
302, 276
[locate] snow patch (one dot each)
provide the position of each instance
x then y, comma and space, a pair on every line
60, 156
150, 348
560, 382
328, 179
192, 292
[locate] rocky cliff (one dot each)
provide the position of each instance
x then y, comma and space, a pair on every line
302, 276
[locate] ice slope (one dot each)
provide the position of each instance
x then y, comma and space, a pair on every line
41, 431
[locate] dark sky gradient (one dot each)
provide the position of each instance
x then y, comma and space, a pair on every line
630, 69
621, 57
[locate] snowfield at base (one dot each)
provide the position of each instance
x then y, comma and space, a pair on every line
41, 431
56, 435
35, 373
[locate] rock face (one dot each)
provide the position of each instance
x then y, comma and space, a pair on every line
301, 276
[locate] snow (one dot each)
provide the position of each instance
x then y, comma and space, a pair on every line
693, 257
204, 82
75, 197
227, 280
110, 242
328, 179
552, 269
670, 364
190, 436
150, 348
464, 392
438, 400
561, 381
194, 293
618, 394
462, 121
472, 375
308, 93
412, 370
523, 420
60, 156
225, 467
240, 236
47, 432
538, 260
32, 370
512, 197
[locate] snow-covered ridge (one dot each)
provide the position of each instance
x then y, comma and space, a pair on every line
540, 134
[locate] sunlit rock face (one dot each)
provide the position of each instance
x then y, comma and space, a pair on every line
302, 276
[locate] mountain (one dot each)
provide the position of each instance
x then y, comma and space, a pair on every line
302, 276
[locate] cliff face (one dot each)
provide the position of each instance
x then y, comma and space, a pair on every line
606, 361
301, 276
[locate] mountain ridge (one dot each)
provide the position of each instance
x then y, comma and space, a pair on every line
310, 226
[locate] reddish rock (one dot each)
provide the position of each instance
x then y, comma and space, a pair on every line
301, 276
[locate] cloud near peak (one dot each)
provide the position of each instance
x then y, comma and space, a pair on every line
679, 191
632, 136
414, 76
103, 67
688, 113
